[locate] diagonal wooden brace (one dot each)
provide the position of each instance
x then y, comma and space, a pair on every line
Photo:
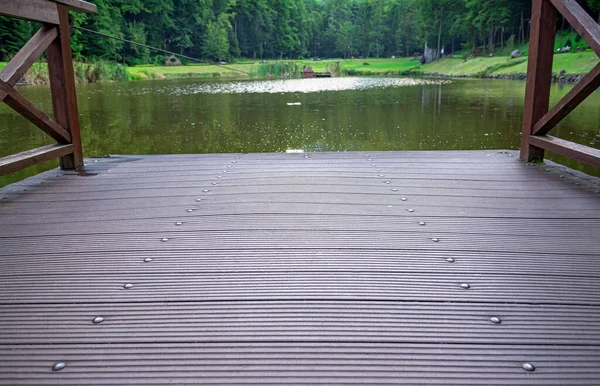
27, 109
583, 89
581, 21
24, 59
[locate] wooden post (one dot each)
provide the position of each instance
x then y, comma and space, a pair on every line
62, 85
539, 74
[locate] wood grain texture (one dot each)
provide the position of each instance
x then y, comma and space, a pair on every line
569, 102
539, 74
581, 21
36, 116
22, 61
582, 153
44, 11
62, 85
78, 5
301, 268
28, 158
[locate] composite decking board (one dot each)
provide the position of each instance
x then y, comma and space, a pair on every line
295, 269
561, 267
300, 185
487, 226
420, 238
301, 322
85, 183
299, 286
299, 363
147, 210
219, 195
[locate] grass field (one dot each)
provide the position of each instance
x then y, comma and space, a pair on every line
161, 72
571, 63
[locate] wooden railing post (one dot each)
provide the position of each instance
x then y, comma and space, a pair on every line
62, 84
539, 74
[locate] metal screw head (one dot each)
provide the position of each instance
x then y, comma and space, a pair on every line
495, 320
373, 164
214, 183
403, 199
59, 366
435, 240
387, 182
198, 199
465, 286
147, 260
237, 157
128, 286
450, 260
178, 223
394, 190
205, 190
528, 366
370, 159
190, 210
219, 176
164, 240
422, 223
233, 162
98, 319
411, 210
381, 175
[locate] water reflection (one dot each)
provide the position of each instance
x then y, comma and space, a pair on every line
346, 114
291, 86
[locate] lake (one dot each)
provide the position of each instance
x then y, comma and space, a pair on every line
315, 115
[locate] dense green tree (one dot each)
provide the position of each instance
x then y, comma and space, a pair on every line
265, 29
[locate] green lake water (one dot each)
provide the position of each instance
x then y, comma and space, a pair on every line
337, 114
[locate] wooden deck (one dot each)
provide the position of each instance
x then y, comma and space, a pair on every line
285, 268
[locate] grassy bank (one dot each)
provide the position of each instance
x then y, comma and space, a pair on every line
201, 70
569, 64
566, 64
84, 72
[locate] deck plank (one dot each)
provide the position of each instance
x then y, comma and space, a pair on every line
294, 268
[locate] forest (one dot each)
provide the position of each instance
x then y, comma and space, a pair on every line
226, 30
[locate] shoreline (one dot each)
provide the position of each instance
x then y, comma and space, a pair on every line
556, 78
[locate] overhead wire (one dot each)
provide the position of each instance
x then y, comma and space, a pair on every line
154, 48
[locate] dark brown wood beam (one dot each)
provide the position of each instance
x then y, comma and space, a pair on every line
78, 5
35, 10
62, 86
569, 149
581, 21
569, 102
24, 59
28, 158
539, 74
36, 116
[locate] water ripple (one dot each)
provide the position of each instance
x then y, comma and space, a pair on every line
297, 85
